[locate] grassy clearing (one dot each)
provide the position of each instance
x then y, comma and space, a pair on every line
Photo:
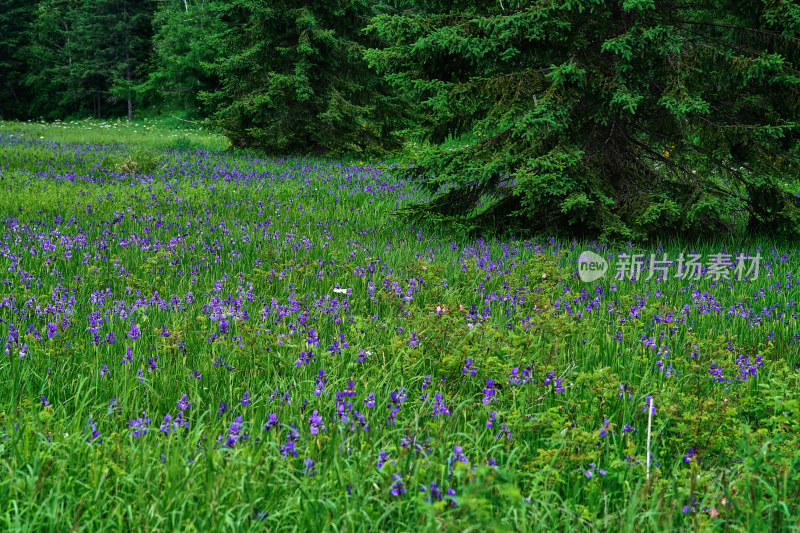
159, 134
198, 341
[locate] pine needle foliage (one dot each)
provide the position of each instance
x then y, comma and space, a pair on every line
293, 79
619, 118
182, 53
15, 17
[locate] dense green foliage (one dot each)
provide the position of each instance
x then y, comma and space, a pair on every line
181, 67
621, 118
86, 57
142, 282
15, 19
294, 78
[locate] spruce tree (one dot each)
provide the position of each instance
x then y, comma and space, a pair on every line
15, 19
622, 118
184, 49
86, 57
129, 47
49, 60
293, 78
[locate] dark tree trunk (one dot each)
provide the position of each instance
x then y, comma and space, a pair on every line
128, 75
130, 99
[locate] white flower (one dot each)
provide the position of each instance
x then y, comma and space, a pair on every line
340, 291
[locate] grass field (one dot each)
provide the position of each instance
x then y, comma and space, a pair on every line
197, 341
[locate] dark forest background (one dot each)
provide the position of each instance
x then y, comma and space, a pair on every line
616, 118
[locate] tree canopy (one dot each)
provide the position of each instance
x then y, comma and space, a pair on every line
15, 19
84, 56
293, 78
621, 118
181, 67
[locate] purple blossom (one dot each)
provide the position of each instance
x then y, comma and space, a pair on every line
457, 457
504, 429
134, 333
413, 341
491, 419
687, 458
183, 404
398, 487
489, 392
433, 492
272, 421
426, 382
321, 381
309, 467
469, 368
94, 434
383, 457
623, 391
169, 424
647, 404
139, 425
398, 396
551, 379
315, 423
290, 447
234, 434
439, 407
369, 401
594, 468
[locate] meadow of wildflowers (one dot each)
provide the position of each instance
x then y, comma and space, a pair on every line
201, 341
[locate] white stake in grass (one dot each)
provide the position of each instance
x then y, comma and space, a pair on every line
649, 429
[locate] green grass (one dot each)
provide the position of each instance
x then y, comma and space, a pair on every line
164, 133
146, 222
